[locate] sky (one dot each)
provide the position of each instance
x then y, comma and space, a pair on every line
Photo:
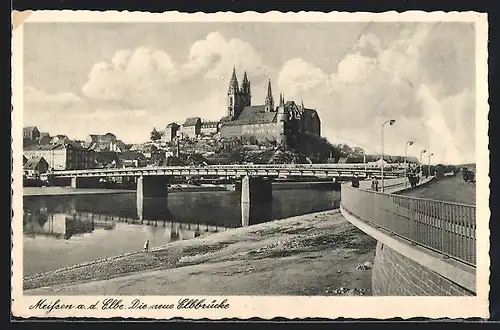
126, 78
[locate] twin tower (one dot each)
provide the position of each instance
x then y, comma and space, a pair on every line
240, 97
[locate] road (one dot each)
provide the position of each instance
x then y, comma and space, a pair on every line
449, 189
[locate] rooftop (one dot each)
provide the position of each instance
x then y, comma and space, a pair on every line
253, 115
192, 121
172, 125
29, 128
32, 163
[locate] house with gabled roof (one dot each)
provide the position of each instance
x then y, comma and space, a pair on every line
191, 127
31, 132
35, 166
170, 132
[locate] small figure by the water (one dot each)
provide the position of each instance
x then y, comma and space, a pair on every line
146, 245
375, 184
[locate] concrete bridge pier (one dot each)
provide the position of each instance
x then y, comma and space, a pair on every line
84, 182
150, 187
254, 190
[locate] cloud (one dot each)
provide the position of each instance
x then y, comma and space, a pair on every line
451, 122
138, 77
33, 95
147, 77
374, 83
219, 55
369, 45
40, 106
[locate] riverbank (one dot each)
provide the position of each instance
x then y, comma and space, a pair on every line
313, 254
57, 191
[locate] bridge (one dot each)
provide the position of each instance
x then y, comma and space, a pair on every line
255, 179
425, 247
294, 170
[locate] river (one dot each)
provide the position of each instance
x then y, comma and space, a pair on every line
61, 231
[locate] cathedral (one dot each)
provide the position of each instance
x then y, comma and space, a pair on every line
284, 123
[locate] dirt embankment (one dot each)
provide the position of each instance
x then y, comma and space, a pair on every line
314, 254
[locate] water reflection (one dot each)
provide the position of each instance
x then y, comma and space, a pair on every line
66, 230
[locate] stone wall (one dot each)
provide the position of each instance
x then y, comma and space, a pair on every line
395, 275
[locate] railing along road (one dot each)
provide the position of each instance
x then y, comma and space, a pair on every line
447, 228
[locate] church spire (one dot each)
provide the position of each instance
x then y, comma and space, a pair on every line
245, 84
269, 98
233, 84
282, 100
269, 91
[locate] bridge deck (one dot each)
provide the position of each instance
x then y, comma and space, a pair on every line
312, 170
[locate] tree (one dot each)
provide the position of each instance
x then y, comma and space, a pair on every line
155, 135
345, 150
358, 152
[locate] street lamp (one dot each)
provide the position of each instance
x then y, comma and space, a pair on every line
421, 153
408, 143
429, 165
390, 122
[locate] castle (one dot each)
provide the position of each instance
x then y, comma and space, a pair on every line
284, 123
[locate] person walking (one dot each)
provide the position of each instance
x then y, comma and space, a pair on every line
374, 184
146, 245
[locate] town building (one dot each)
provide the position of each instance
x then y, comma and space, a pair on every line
209, 128
106, 142
105, 159
44, 138
34, 167
191, 128
31, 132
31, 136
62, 156
170, 132
131, 159
285, 123
60, 138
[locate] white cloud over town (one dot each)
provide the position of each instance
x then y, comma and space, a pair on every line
148, 77
387, 83
376, 80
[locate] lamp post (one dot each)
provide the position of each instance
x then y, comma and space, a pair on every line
421, 153
390, 122
429, 165
408, 143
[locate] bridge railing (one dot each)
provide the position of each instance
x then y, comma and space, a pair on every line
247, 167
447, 228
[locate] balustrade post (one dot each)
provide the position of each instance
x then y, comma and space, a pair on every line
411, 217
